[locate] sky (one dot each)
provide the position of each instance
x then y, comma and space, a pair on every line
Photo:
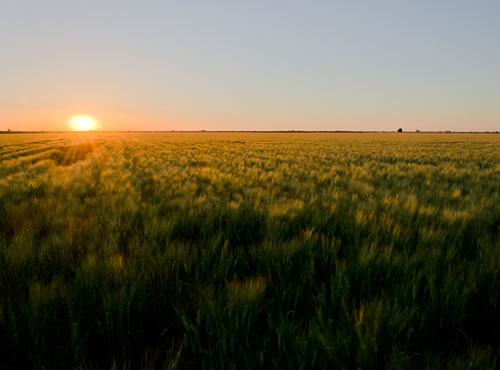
251, 65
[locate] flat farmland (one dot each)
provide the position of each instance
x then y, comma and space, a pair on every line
249, 250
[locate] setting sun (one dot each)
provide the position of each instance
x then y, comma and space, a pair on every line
83, 123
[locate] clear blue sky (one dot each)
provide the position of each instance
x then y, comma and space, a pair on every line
282, 65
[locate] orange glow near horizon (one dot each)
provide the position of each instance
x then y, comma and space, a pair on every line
83, 123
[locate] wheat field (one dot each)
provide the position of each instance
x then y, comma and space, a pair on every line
249, 250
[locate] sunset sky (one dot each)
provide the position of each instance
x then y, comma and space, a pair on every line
251, 65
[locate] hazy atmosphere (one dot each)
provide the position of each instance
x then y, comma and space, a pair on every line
241, 185
260, 65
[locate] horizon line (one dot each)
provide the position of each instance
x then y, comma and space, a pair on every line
244, 131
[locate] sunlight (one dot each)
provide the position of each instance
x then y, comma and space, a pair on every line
83, 123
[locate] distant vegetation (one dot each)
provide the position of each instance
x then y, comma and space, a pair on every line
235, 251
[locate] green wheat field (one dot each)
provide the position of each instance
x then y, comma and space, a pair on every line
249, 251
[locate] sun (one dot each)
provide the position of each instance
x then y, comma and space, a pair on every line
83, 123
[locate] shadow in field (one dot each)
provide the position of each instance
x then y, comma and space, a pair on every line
67, 155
